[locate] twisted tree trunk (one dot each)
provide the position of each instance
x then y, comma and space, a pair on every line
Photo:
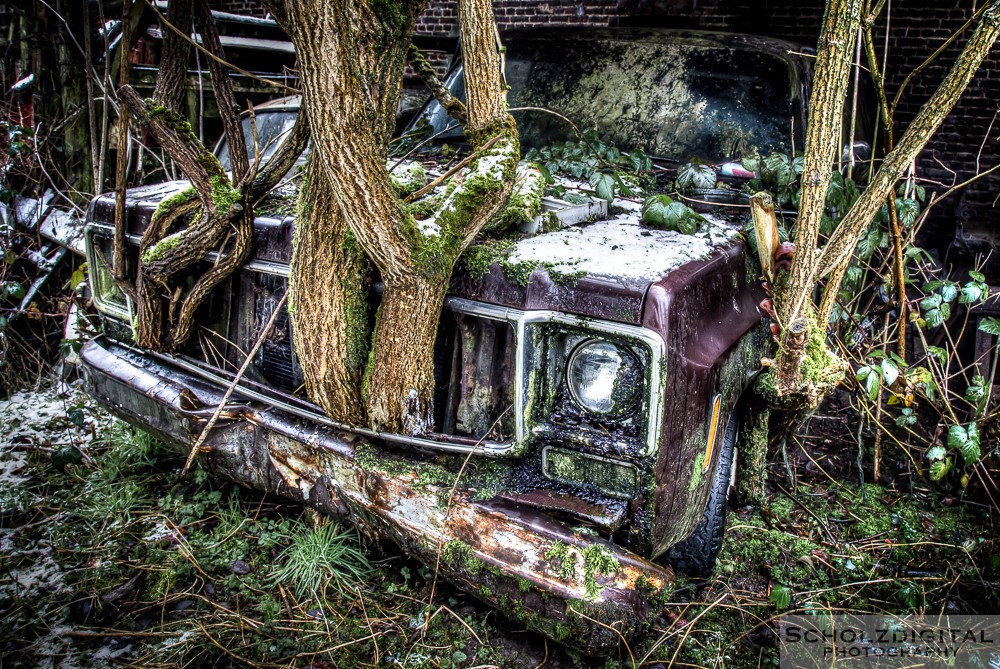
220, 205
351, 57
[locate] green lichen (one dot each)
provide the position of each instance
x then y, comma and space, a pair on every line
598, 560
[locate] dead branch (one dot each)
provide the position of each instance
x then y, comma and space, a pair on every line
427, 73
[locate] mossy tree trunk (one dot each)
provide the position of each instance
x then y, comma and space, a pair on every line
214, 214
351, 56
804, 372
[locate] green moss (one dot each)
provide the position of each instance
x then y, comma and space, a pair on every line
160, 249
435, 252
224, 195
459, 555
178, 199
481, 257
562, 560
524, 585
525, 200
598, 560
409, 177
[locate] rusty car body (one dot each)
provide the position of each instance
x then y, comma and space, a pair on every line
539, 490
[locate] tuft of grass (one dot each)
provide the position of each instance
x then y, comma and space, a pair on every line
320, 557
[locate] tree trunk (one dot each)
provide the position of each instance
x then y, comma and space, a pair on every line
351, 56
330, 316
823, 138
808, 265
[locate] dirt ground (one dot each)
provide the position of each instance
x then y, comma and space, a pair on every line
111, 558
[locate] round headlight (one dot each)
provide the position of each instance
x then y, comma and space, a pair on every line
602, 377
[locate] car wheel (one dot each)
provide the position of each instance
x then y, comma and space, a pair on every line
696, 555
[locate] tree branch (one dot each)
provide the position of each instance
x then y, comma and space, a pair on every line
429, 76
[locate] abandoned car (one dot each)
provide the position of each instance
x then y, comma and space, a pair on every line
589, 367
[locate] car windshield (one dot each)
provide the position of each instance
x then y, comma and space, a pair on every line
272, 129
685, 99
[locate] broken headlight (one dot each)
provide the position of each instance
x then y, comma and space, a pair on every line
603, 377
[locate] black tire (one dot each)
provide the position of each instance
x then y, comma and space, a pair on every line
696, 555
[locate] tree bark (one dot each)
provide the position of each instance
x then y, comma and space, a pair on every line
836, 255
172, 73
351, 55
808, 265
823, 138
330, 324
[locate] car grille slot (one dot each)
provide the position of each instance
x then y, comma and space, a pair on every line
275, 360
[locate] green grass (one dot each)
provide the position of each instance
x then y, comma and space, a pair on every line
319, 557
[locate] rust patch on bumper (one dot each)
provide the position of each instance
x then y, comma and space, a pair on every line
494, 550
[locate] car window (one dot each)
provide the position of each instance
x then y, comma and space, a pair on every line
272, 129
689, 100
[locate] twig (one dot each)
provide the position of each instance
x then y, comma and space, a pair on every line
232, 385
462, 163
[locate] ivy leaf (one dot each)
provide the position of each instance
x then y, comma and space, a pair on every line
780, 596
603, 185
949, 291
990, 325
695, 176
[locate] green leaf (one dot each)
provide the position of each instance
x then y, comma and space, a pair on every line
940, 354
936, 453
957, 437
695, 176
872, 384
780, 596
972, 293
863, 373
970, 450
949, 291
603, 185
990, 325
939, 468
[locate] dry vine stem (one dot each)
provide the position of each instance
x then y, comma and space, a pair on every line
232, 385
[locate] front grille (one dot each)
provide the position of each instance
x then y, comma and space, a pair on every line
474, 363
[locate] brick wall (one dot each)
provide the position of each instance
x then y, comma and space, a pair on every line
919, 27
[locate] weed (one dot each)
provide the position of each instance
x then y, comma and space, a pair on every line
317, 558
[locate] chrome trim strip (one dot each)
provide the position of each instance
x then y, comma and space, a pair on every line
103, 306
487, 448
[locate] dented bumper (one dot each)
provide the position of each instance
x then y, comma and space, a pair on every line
567, 585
